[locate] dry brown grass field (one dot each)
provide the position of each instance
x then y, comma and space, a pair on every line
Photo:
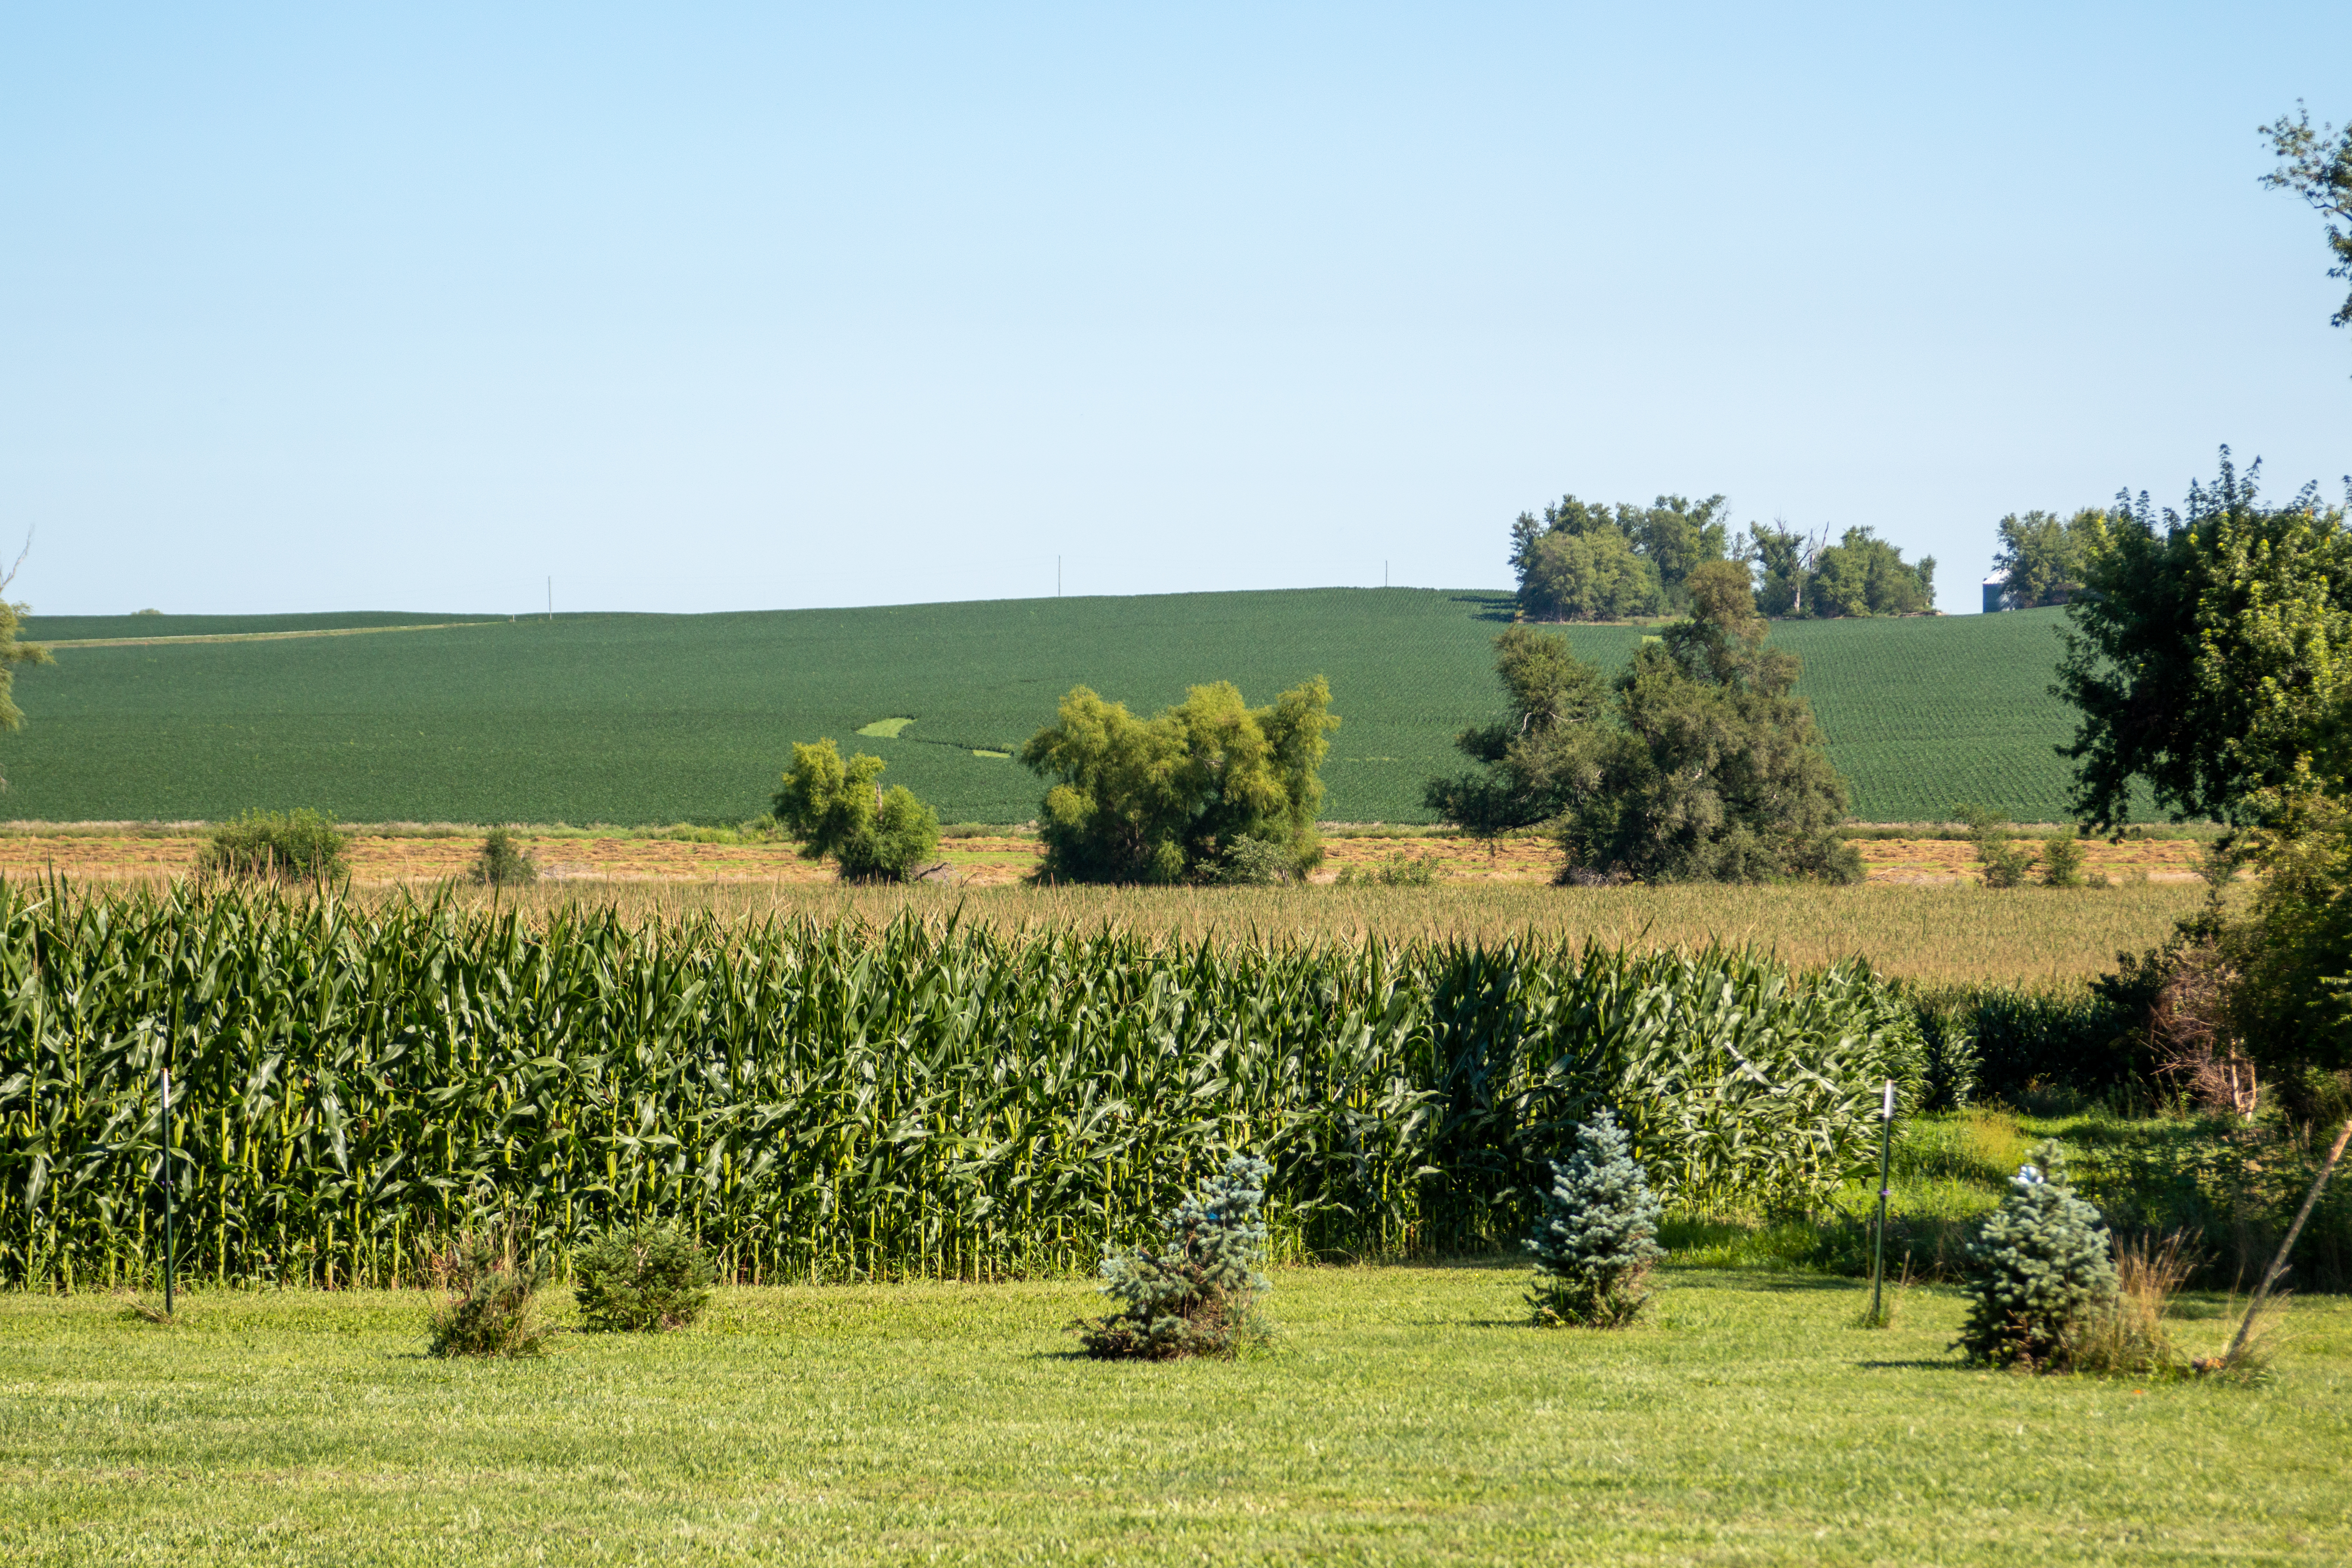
392, 858
1922, 914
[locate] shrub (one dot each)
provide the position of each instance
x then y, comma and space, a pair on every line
2062, 861
1251, 863
1195, 1292
489, 1278
840, 809
2039, 1272
2001, 863
644, 1277
296, 846
1391, 871
1597, 1237
503, 862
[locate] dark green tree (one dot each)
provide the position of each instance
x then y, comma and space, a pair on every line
1597, 1239
1700, 763
1716, 772
2210, 653
840, 809
2041, 1271
1195, 794
1548, 690
2317, 166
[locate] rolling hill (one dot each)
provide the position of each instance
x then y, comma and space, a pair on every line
636, 719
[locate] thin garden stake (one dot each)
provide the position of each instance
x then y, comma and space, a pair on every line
167, 1192
2278, 1264
1886, 1155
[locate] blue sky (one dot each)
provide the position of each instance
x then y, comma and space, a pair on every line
714, 307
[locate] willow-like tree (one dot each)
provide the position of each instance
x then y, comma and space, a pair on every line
1209, 790
840, 809
14, 649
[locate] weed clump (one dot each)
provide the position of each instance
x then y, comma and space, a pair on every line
1194, 1291
2062, 861
503, 862
1597, 1238
489, 1279
2041, 1273
2001, 863
1398, 871
642, 1279
287, 846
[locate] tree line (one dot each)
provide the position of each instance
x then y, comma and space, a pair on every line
1589, 562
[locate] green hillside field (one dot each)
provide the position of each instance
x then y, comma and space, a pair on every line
639, 718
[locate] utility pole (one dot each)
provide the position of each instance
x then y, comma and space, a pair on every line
1878, 1249
550, 598
168, 1260
1058, 576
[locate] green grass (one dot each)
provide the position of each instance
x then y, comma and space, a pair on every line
645, 719
1404, 1416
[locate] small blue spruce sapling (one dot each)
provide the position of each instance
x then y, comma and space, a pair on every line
2041, 1269
1597, 1237
1194, 1291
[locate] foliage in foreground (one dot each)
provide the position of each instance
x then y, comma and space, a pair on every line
1597, 1240
841, 810
2042, 1275
1698, 763
302, 846
1194, 1290
1211, 790
2206, 660
642, 1279
831, 1100
488, 1277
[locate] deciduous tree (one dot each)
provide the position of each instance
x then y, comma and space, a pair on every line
840, 809
2317, 166
2212, 650
1187, 795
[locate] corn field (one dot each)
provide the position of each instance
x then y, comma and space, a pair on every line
836, 1100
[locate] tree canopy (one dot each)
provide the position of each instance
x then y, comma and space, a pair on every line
1592, 562
2212, 650
1698, 763
14, 650
1207, 790
840, 809
1861, 574
2317, 166
2043, 557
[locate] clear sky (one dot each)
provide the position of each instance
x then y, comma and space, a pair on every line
701, 307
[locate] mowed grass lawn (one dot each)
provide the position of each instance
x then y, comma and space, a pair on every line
1405, 1415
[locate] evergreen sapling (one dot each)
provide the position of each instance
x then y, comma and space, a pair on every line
2041, 1272
1597, 1240
1195, 1292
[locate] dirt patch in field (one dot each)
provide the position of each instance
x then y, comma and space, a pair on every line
979, 862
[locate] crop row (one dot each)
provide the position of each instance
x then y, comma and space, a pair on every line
827, 1100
